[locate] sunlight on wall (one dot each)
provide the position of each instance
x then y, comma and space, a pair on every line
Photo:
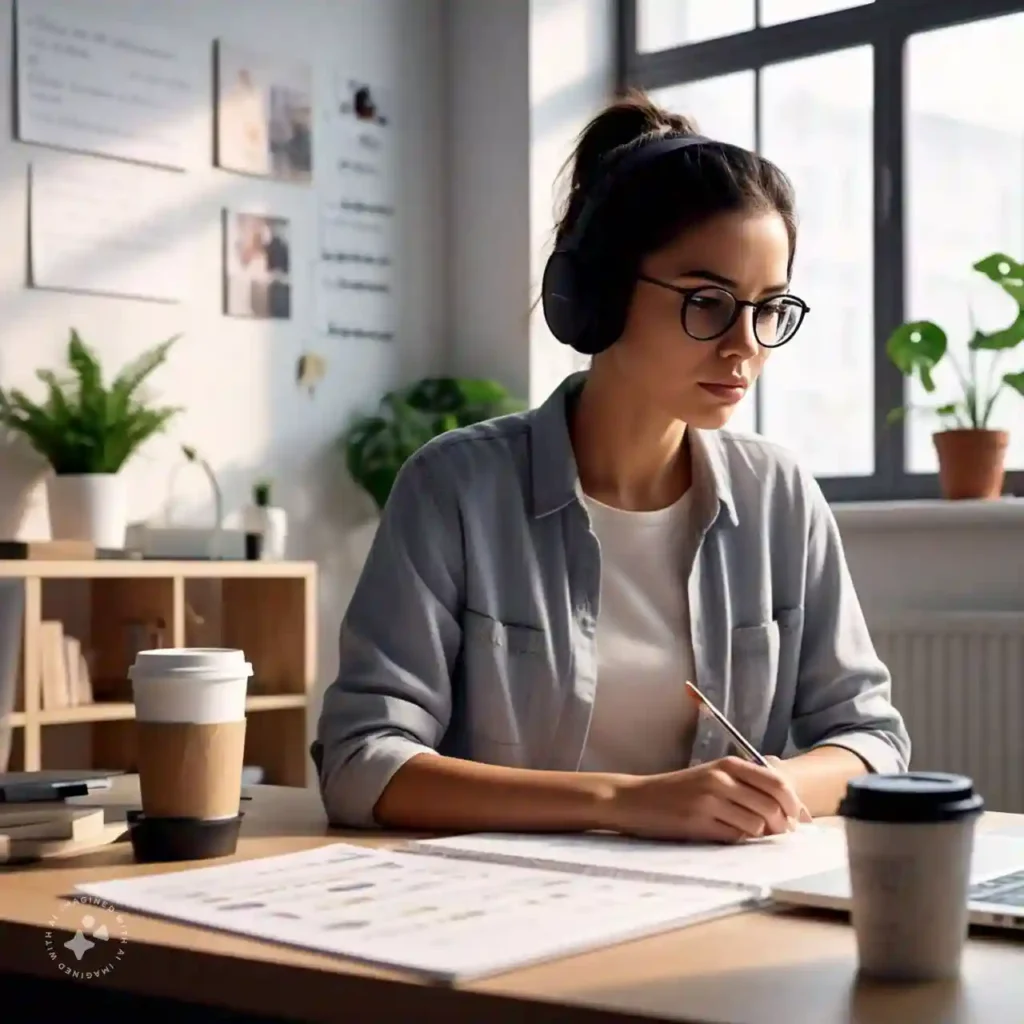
571, 78
235, 376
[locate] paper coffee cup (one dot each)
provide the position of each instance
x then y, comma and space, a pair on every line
190, 723
909, 842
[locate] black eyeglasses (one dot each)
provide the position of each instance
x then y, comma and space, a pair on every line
709, 311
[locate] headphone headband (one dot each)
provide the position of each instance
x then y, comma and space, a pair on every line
642, 154
579, 314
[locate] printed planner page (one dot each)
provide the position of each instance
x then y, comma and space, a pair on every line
445, 918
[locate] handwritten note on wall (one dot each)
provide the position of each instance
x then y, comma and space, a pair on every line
353, 279
108, 228
131, 91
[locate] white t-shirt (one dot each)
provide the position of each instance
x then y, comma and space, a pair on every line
643, 722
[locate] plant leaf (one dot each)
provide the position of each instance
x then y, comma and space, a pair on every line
1006, 272
917, 347
81, 426
377, 446
1015, 381
1009, 275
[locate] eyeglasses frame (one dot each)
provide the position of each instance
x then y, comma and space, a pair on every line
688, 293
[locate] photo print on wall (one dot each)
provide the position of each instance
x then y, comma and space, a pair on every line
257, 266
264, 115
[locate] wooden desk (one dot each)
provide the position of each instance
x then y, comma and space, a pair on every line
756, 968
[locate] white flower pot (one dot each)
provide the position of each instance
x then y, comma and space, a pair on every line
272, 525
92, 507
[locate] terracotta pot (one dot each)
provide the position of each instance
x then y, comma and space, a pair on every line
971, 462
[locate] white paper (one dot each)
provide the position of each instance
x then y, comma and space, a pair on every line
444, 918
139, 92
106, 227
353, 280
757, 864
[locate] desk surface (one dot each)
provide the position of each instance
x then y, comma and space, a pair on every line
753, 968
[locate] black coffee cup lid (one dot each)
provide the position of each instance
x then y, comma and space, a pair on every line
917, 797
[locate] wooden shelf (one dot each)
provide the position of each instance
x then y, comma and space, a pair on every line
121, 711
267, 609
129, 568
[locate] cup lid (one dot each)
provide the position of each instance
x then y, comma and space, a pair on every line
917, 797
190, 661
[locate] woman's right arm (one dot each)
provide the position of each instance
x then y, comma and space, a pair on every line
386, 712
389, 707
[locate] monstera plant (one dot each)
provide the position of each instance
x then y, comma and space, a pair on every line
971, 454
377, 446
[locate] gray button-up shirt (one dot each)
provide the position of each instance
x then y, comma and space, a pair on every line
471, 631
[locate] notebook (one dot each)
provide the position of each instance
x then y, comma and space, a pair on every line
444, 918
468, 906
753, 867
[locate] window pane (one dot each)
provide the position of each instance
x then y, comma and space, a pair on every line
773, 12
663, 24
818, 391
965, 199
723, 107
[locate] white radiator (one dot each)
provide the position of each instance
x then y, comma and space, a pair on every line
958, 680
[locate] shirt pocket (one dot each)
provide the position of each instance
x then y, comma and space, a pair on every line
765, 661
506, 667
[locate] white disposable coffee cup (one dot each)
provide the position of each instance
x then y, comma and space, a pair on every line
190, 724
909, 839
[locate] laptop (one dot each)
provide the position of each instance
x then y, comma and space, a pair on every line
995, 898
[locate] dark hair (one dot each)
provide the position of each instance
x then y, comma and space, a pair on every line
660, 199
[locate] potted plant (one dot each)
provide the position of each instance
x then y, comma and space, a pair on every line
87, 431
971, 454
267, 522
377, 446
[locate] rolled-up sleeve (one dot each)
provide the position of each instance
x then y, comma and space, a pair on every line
844, 691
398, 641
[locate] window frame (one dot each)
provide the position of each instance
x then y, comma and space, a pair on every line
885, 25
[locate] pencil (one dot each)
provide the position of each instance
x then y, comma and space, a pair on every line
748, 748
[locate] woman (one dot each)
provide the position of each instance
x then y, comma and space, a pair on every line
542, 585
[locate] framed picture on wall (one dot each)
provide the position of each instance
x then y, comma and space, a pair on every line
264, 115
257, 266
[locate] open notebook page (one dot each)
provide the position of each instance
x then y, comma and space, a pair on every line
755, 864
449, 920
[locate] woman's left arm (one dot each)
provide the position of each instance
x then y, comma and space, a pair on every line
843, 717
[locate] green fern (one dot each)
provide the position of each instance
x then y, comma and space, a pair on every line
82, 426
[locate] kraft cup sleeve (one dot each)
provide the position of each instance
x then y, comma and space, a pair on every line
191, 771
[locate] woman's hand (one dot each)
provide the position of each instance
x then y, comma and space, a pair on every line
723, 801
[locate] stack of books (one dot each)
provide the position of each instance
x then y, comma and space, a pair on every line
64, 668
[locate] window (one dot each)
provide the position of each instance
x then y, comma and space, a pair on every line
899, 122
818, 392
964, 199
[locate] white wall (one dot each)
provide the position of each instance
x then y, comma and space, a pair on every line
525, 76
236, 377
935, 555
489, 189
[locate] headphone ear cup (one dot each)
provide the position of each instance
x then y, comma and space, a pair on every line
561, 298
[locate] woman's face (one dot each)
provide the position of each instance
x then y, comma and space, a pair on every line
701, 382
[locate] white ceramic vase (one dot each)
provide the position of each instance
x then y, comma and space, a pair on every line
271, 524
90, 507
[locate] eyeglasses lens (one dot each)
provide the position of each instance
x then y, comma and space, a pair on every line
710, 312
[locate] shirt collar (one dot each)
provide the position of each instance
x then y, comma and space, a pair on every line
555, 475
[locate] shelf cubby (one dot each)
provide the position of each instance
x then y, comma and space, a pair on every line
111, 609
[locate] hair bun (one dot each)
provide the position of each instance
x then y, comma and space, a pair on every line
623, 124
